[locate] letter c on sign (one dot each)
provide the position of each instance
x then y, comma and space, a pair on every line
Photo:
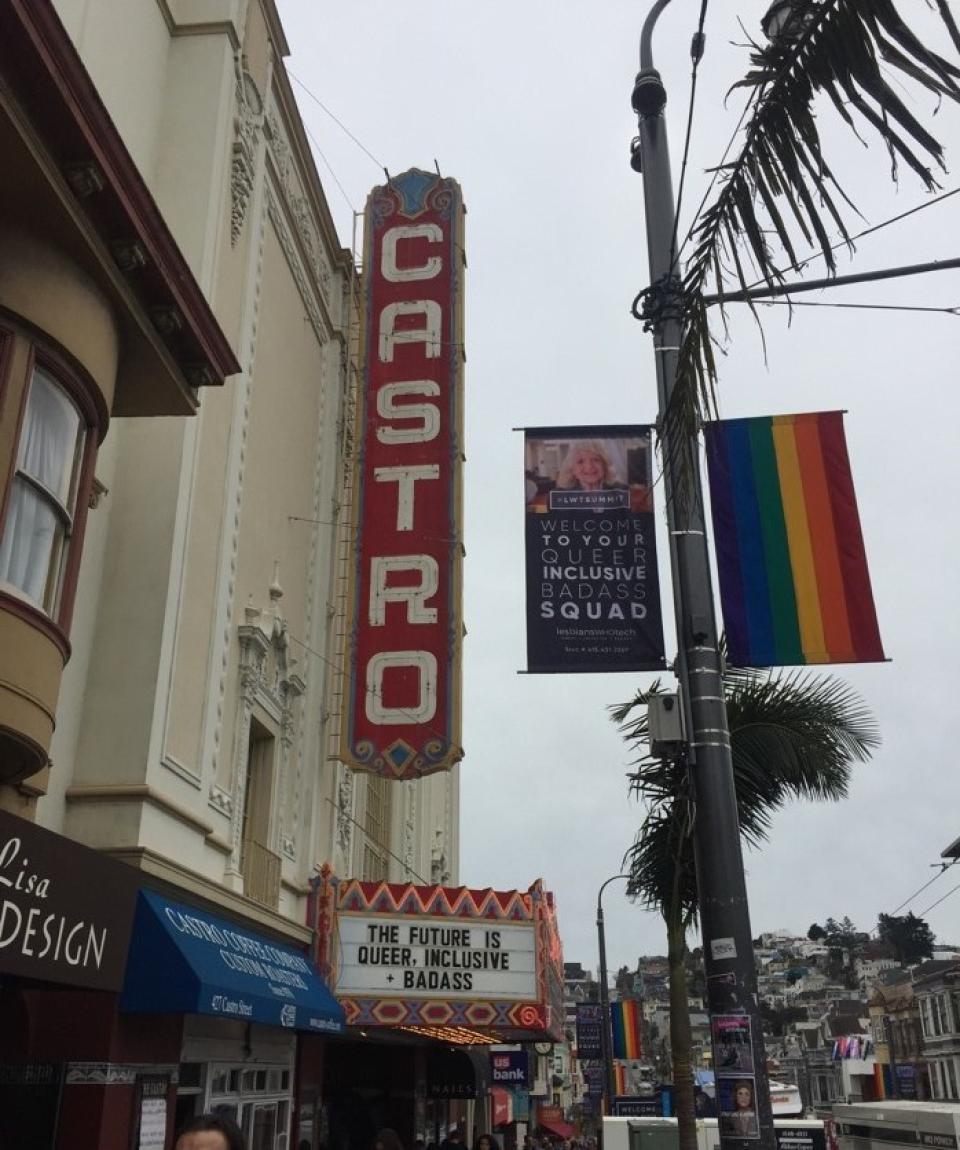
425, 707
388, 257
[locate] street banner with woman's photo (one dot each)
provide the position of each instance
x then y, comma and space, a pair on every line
593, 595
737, 1106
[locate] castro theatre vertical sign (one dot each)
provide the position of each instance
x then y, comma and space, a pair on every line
402, 698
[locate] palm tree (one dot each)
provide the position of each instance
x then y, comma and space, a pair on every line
775, 205
792, 735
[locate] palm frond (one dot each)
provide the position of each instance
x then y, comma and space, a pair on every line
780, 192
793, 735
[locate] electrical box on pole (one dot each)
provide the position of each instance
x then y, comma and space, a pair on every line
664, 725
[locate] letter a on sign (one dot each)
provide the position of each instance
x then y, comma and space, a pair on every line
401, 705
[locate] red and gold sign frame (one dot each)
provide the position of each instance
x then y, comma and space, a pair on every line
401, 703
502, 1021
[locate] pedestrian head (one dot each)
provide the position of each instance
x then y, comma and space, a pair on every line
387, 1139
487, 1142
210, 1132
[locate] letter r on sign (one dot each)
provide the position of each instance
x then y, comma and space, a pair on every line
415, 596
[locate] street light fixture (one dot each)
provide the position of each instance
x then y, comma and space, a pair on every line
606, 1035
787, 19
724, 915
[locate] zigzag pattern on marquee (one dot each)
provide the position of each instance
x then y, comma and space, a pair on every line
402, 1012
441, 901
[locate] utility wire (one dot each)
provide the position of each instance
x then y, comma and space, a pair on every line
940, 900
396, 858
340, 124
696, 51
716, 172
319, 151
944, 867
819, 255
954, 311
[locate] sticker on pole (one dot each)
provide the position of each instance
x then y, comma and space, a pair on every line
723, 948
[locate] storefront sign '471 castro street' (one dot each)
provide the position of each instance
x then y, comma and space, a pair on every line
402, 699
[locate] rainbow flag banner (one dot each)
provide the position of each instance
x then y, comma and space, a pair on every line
794, 584
625, 1020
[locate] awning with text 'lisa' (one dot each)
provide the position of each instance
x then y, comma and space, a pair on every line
183, 960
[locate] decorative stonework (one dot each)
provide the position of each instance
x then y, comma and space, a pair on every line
439, 871
221, 801
299, 798
116, 1073
292, 193
345, 810
268, 682
409, 827
247, 126
307, 294
227, 573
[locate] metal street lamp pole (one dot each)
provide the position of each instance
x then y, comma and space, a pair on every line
606, 1036
724, 916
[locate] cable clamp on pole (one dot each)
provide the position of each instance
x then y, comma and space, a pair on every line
663, 300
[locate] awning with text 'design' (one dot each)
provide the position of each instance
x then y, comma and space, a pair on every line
185, 961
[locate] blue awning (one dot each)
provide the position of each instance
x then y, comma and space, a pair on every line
185, 961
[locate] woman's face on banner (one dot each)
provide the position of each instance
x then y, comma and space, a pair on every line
743, 1097
589, 469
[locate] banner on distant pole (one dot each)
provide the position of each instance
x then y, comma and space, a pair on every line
589, 1031
593, 598
626, 1021
794, 583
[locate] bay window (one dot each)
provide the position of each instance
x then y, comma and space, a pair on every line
41, 514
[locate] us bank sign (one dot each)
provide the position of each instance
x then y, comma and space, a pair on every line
402, 700
433, 957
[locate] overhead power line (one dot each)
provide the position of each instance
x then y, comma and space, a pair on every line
944, 867
320, 153
696, 52
724, 298
819, 255
336, 119
954, 311
953, 890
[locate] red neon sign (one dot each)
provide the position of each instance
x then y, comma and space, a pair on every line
402, 703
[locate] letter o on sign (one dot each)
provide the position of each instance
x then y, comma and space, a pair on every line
426, 706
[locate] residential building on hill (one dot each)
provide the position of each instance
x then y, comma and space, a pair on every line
936, 986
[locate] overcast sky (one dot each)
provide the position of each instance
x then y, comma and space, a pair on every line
527, 104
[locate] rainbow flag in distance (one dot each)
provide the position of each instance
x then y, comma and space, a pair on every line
625, 1020
794, 584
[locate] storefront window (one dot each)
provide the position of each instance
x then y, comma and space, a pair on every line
258, 1099
42, 503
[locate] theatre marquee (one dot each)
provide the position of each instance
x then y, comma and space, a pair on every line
430, 956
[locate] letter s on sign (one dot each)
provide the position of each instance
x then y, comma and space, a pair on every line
425, 707
428, 413
388, 257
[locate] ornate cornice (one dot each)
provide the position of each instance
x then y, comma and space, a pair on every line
302, 238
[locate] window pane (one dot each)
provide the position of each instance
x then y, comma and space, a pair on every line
260, 1126
31, 546
48, 448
